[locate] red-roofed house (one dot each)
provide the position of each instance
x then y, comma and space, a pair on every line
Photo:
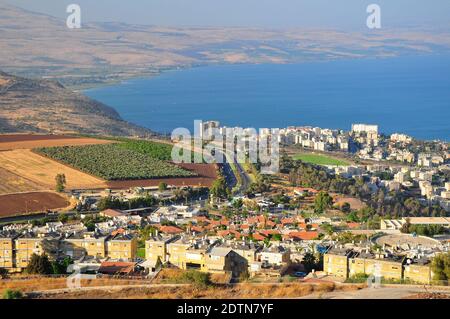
170, 230
304, 235
258, 236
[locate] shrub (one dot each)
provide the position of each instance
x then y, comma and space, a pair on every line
357, 278
196, 278
12, 294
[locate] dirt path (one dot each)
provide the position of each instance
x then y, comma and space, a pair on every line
373, 293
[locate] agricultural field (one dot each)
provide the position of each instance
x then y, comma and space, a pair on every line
42, 171
29, 141
116, 162
12, 183
319, 159
24, 203
206, 175
159, 151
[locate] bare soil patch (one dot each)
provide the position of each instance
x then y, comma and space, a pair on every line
23, 203
207, 174
355, 203
28, 141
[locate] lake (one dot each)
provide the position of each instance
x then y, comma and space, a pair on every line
406, 94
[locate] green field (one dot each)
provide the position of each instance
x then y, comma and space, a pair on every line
141, 253
121, 161
320, 159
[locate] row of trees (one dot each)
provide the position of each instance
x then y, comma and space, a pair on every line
423, 230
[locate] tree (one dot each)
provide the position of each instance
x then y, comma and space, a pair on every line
276, 237
219, 189
60, 183
441, 267
353, 217
309, 262
200, 280
322, 201
406, 226
40, 265
162, 187
63, 218
60, 267
346, 208
238, 203
3, 273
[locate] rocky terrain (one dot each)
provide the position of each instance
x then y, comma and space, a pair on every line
45, 106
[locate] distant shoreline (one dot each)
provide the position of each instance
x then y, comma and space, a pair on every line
224, 67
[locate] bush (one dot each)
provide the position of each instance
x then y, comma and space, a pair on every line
196, 278
12, 294
3, 273
357, 278
39, 265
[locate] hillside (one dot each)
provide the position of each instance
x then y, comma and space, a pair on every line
39, 45
45, 106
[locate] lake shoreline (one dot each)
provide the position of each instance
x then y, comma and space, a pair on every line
93, 92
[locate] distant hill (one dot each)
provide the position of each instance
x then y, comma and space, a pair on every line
38, 45
45, 106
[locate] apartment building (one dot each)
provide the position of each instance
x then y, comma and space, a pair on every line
28, 244
345, 263
418, 271
79, 245
156, 247
335, 262
16, 249
121, 247
7, 249
388, 267
275, 255
224, 259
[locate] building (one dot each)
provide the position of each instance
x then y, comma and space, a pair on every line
382, 265
156, 247
364, 128
345, 263
275, 255
335, 262
7, 252
28, 244
224, 259
77, 245
397, 224
418, 271
121, 246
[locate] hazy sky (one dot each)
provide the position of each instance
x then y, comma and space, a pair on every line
343, 14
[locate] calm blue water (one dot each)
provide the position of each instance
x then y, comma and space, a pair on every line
408, 95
